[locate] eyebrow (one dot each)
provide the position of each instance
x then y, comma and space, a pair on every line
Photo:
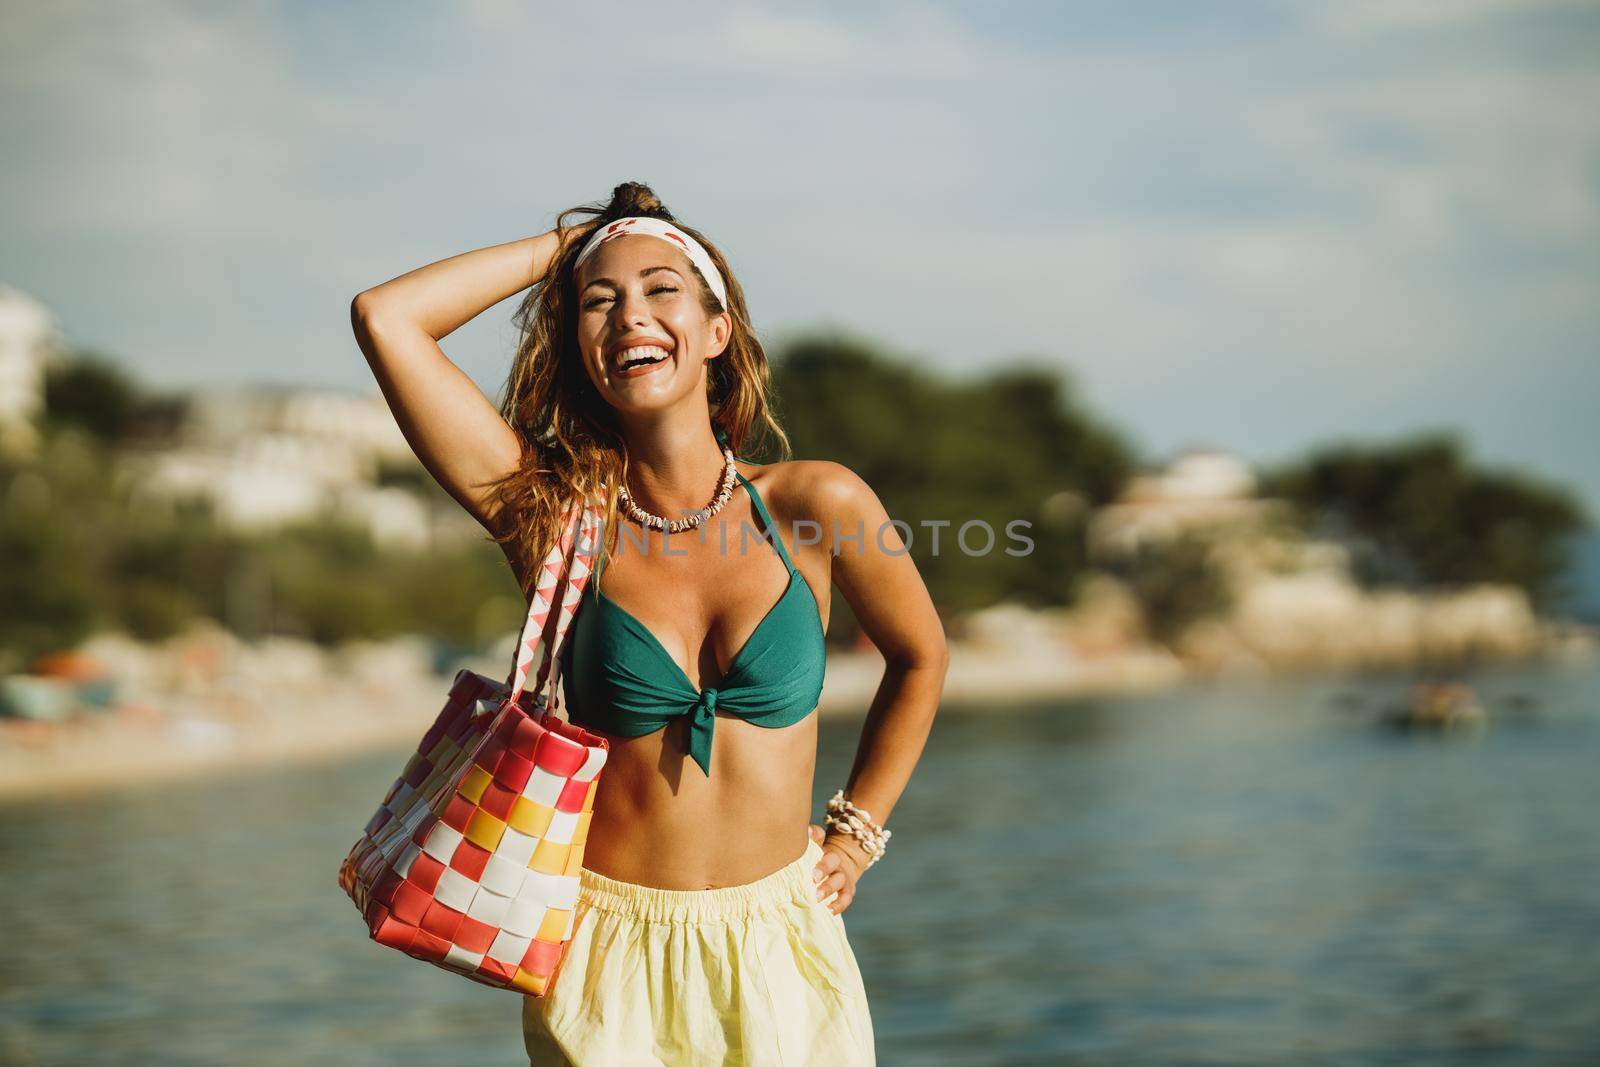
644, 273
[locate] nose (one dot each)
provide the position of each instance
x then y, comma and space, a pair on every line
631, 308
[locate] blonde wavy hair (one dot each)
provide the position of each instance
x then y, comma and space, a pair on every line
572, 447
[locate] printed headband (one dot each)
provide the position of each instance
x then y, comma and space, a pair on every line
652, 227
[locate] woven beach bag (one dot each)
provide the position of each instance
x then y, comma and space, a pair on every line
471, 862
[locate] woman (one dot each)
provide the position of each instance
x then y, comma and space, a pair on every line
709, 924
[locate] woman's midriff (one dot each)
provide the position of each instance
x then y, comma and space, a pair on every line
659, 821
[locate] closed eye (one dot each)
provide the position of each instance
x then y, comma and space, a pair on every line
596, 301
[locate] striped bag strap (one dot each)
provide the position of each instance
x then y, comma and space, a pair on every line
570, 557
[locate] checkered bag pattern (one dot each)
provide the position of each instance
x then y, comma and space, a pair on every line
472, 860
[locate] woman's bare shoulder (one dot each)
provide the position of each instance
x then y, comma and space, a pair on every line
816, 490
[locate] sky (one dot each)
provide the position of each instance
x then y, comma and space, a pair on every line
1252, 226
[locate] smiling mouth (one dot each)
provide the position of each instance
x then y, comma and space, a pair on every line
641, 356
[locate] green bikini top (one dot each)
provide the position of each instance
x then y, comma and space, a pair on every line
619, 679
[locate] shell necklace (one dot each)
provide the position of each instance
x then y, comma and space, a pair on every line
694, 518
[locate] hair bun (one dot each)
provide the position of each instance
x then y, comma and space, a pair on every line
637, 198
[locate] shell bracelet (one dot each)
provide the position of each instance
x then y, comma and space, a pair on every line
853, 821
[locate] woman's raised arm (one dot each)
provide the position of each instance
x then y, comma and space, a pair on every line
455, 430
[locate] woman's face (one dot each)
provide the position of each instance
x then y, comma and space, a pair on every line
641, 329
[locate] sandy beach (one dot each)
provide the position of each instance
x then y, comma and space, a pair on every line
223, 727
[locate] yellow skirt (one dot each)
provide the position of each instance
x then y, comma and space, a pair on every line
754, 975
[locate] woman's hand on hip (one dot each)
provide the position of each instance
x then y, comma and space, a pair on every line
840, 867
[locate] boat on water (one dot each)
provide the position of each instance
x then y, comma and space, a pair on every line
1438, 706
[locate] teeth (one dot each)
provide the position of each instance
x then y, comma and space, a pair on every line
643, 353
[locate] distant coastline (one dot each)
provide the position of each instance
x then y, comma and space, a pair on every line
210, 704
180, 734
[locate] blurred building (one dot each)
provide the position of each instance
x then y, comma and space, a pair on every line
357, 426
1199, 492
268, 455
28, 337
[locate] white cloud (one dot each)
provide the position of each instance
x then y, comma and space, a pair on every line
1515, 146
913, 42
1366, 16
163, 122
1313, 213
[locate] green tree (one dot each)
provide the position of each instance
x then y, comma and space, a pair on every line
52, 509
1418, 512
97, 396
82, 549
1176, 583
1002, 448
